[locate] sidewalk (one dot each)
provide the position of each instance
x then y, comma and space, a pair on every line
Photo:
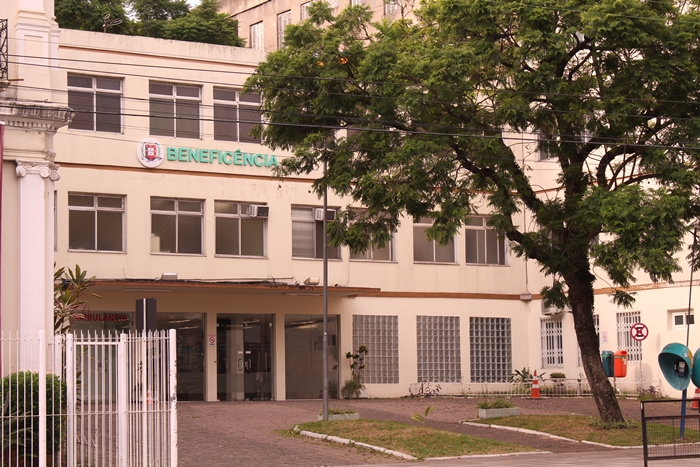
225, 434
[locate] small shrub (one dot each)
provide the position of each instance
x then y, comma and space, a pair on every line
422, 418
353, 387
495, 404
557, 375
338, 412
650, 394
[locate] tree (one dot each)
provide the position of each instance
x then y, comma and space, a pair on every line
610, 87
204, 23
90, 15
154, 14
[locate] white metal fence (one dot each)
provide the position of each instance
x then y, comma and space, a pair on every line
89, 400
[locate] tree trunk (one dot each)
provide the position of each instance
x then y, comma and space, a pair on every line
581, 297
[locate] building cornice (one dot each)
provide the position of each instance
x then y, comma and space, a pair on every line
36, 116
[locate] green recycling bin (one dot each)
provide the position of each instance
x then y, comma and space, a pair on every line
607, 356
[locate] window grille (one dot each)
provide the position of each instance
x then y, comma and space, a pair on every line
380, 334
490, 350
552, 343
625, 320
438, 346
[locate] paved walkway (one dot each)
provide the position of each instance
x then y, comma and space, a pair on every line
224, 434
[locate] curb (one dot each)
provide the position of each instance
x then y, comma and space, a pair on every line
547, 435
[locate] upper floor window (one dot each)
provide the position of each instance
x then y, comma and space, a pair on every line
240, 228
95, 222
307, 233
256, 36
283, 19
391, 7
357, 2
174, 110
680, 319
483, 244
176, 225
97, 103
305, 10
235, 114
543, 152
429, 251
375, 253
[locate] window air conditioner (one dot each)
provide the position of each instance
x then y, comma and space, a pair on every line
551, 311
318, 214
256, 210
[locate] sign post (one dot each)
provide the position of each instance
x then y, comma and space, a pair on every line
639, 332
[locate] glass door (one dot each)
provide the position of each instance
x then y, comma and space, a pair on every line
244, 355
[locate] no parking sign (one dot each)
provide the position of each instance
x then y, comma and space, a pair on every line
639, 331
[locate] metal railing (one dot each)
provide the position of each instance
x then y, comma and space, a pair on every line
667, 433
4, 57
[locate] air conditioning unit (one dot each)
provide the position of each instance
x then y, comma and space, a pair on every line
257, 210
551, 310
318, 214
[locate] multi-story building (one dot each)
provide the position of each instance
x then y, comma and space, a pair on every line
156, 188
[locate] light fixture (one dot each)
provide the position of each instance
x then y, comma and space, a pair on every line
168, 276
312, 281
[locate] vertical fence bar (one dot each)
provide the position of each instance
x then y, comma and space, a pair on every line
42, 399
71, 434
172, 394
122, 404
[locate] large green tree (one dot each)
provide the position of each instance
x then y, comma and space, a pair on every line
89, 15
204, 23
611, 88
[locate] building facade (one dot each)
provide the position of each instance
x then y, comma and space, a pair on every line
133, 159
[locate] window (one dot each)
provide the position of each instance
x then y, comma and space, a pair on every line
283, 19
483, 244
307, 233
391, 7
680, 319
625, 320
235, 115
490, 350
375, 253
95, 222
237, 233
552, 343
543, 149
426, 250
176, 226
256, 36
174, 110
97, 103
439, 359
305, 10
357, 2
381, 336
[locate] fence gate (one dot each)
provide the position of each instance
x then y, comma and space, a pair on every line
666, 433
121, 400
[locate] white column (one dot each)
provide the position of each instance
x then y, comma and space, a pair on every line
36, 254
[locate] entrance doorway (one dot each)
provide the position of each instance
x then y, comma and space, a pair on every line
244, 353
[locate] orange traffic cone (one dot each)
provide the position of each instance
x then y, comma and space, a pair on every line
535, 394
696, 400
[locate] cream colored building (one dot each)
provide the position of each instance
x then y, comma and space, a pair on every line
156, 188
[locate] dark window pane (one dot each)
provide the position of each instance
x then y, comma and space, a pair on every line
187, 120
224, 94
690, 319
162, 204
109, 231
80, 81
109, 83
678, 320
254, 98
227, 236
225, 122
445, 254
302, 239
158, 88
189, 206
491, 247
81, 200
382, 254
82, 104
333, 252
249, 117
189, 234
225, 207
162, 114
109, 109
422, 245
472, 254
163, 233
252, 237
110, 202
188, 91
81, 230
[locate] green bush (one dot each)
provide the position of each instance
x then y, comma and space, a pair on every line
20, 413
495, 404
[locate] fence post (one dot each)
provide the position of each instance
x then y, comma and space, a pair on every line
122, 405
42, 398
172, 391
71, 434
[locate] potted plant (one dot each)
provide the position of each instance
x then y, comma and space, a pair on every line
494, 408
353, 387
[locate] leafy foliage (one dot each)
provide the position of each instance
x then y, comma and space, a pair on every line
204, 23
354, 386
69, 289
443, 111
423, 417
495, 404
90, 15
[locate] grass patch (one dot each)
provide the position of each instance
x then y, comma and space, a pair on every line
580, 427
417, 441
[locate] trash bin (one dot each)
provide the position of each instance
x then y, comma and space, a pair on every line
620, 358
607, 356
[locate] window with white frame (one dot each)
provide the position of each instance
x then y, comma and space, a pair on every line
97, 102
490, 350
391, 7
307, 233
235, 115
380, 334
680, 319
552, 343
174, 110
543, 152
596, 322
95, 222
438, 347
283, 19
256, 36
305, 10
240, 230
484, 245
357, 2
625, 320
426, 250
176, 225
375, 253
